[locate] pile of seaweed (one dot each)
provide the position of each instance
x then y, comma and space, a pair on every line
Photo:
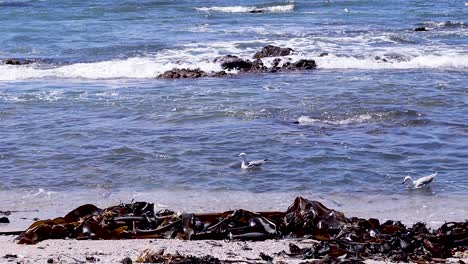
335, 236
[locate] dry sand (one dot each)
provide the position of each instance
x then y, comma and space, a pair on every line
113, 251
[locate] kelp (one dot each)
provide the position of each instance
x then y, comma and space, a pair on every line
149, 256
336, 236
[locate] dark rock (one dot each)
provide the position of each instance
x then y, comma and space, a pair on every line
324, 54
219, 74
183, 73
4, 220
50, 260
300, 65
10, 256
18, 61
230, 62
258, 66
255, 11
305, 65
276, 62
273, 51
126, 260
421, 29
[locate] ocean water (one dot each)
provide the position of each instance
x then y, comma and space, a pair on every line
90, 122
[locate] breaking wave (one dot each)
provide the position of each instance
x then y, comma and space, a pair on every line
445, 24
203, 58
247, 9
405, 117
306, 120
450, 62
132, 68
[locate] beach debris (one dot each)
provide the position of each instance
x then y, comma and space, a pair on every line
7, 256
126, 260
334, 236
91, 259
149, 256
266, 257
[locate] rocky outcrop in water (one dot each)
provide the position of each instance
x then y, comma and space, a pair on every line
17, 61
231, 62
421, 29
183, 73
273, 51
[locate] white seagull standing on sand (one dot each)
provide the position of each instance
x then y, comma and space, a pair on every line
419, 183
250, 164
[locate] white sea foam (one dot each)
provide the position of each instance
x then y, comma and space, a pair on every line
247, 9
306, 120
133, 68
449, 61
201, 56
145, 68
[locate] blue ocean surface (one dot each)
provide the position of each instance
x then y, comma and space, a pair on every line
90, 115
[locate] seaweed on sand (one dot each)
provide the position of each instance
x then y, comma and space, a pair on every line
335, 236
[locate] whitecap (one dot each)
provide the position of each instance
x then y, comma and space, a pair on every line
306, 120
247, 9
448, 61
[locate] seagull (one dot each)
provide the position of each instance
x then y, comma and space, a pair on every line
250, 164
419, 183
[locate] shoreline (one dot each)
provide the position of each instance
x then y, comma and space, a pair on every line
408, 208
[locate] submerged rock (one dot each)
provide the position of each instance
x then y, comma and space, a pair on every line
255, 11
273, 51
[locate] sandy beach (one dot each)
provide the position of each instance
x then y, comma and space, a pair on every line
114, 251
